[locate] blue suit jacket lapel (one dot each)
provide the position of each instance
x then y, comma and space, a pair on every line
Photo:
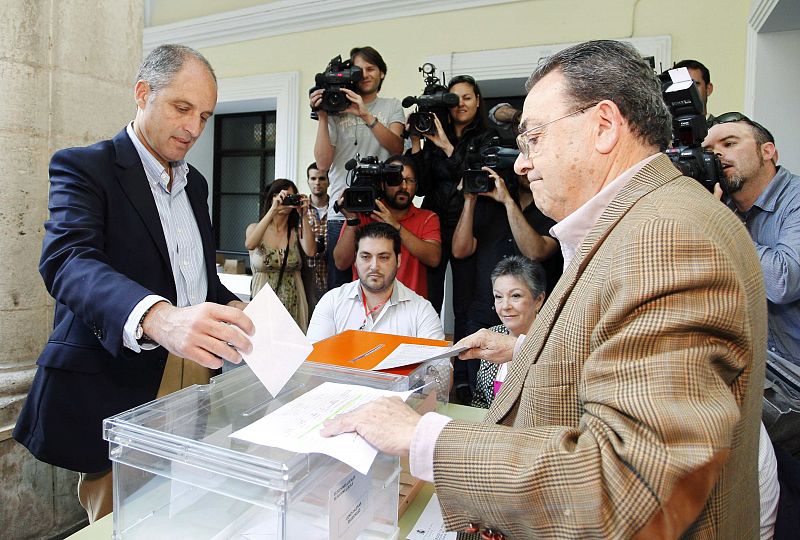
134, 184
197, 200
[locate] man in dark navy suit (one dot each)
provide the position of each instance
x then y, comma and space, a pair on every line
128, 255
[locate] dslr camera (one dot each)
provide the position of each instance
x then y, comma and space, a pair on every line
336, 77
689, 129
434, 101
367, 177
492, 155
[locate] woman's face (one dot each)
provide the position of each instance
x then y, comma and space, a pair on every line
515, 304
468, 102
285, 210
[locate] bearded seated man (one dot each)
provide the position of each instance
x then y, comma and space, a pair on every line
376, 301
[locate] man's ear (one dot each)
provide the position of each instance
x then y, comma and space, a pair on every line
607, 125
141, 92
709, 89
769, 152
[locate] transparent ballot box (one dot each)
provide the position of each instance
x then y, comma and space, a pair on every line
177, 473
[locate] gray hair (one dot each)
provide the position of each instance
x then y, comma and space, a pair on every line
613, 70
164, 62
527, 270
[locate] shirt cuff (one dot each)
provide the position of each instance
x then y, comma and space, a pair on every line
420, 455
518, 344
129, 330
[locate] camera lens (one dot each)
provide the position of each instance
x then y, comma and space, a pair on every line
335, 100
425, 123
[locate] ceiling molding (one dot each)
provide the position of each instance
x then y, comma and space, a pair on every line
760, 10
521, 61
291, 16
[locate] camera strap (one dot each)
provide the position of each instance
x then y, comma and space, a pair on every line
285, 258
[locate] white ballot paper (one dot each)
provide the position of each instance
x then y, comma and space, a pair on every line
296, 425
430, 525
279, 346
408, 353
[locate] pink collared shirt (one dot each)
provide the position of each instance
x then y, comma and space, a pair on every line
570, 232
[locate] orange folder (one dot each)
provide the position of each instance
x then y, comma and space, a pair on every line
365, 350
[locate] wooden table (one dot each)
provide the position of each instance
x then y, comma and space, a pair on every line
103, 528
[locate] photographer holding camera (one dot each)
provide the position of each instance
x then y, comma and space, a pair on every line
440, 162
420, 237
369, 126
274, 242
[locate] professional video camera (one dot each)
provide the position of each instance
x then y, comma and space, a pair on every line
435, 100
337, 76
366, 179
492, 155
689, 129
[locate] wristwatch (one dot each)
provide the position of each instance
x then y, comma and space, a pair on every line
139, 334
353, 222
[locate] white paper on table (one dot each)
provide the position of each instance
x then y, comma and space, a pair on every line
408, 353
296, 425
430, 525
279, 346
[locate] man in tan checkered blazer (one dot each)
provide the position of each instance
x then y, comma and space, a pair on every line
631, 408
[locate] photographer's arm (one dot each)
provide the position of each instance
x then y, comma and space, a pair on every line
307, 239
323, 148
530, 243
464, 242
389, 137
255, 231
428, 251
344, 254
440, 138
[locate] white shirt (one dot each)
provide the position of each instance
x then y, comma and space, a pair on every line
405, 314
184, 244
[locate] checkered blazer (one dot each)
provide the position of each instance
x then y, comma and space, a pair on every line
632, 408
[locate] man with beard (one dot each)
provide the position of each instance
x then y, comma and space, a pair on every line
370, 126
376, 301
419, 230
766, 197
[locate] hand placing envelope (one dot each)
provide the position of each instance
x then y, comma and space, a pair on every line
279, 346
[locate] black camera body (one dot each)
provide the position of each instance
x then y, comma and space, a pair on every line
492, 155
337, 76
688, 131
434, 101
369, 175
293, 199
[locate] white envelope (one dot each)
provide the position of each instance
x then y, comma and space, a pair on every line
279, 346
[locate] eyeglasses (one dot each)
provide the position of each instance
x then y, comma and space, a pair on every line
410, 180
734, 116
527, 144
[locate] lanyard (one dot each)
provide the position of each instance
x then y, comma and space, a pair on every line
377, 308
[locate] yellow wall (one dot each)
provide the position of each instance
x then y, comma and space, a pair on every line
713, 31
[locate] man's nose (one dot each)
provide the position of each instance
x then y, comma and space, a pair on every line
194, 125
522, 164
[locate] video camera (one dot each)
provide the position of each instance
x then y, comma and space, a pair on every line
492, 155
435, 100
336, 77
367, 177
689, 129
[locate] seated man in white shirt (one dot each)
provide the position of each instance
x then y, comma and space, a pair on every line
376, 301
